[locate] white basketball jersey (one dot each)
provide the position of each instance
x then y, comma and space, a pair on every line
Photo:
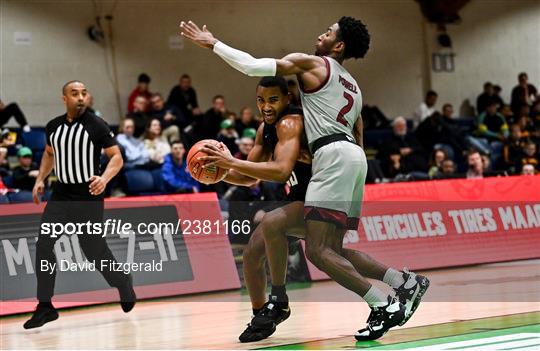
334, 107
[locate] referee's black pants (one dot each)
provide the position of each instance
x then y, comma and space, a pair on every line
72, 203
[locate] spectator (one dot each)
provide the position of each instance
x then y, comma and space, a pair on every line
426, 108
526, 125
513, 147
170, 117
535, 113
448, 169
486, 97
491, 124
139, 115
247, 120
13, 110
142, 89
90, 106
207, 126
497, 95
523, 93
176, 178
441, 131
476, 165
435, 162
135, 153
184, 97
402, 153
294, 94
528, 170
228, 135
507, 113
4, 199
155, 143
24, 175
529, 156
244, 147
249, 133
4, 163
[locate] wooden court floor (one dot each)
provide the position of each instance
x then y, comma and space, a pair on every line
497, 304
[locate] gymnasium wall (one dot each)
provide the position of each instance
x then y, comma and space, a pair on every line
393, 76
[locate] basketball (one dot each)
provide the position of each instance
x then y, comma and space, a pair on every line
208, 175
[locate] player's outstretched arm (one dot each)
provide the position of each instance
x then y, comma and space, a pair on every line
296, 63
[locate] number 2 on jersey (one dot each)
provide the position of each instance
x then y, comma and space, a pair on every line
341, 115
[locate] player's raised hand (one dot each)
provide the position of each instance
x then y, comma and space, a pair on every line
203, 37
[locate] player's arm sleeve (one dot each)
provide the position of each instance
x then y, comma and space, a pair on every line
244, 62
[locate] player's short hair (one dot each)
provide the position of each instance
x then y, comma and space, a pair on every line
487, 84
184, 76
64, 87
278, 81
218, 97
522, 75
355, 35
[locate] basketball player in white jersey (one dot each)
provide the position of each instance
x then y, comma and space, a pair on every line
332, 103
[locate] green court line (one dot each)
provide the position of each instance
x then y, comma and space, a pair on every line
465, 337
418, 334
520, 347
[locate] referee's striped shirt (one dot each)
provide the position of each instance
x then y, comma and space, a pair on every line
77, 146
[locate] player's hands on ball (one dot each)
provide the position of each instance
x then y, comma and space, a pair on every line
200, 37
37, 191
97, 185
219, 156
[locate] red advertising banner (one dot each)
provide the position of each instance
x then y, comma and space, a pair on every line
198, 259
445, 223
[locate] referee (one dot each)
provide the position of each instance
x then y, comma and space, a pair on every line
74, 144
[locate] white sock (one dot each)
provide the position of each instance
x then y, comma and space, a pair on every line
393, 278
375, 297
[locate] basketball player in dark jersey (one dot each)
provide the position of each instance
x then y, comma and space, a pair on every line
279, 155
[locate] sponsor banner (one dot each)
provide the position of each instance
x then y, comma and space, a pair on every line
172, 245
446, 223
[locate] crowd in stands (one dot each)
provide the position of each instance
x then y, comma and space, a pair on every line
155, 134
502, 139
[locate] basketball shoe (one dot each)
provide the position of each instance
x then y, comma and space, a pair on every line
381, 319
411, 292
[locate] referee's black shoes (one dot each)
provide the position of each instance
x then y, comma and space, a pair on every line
44, 313
127, 295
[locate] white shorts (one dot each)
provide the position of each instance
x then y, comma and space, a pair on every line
336, 189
